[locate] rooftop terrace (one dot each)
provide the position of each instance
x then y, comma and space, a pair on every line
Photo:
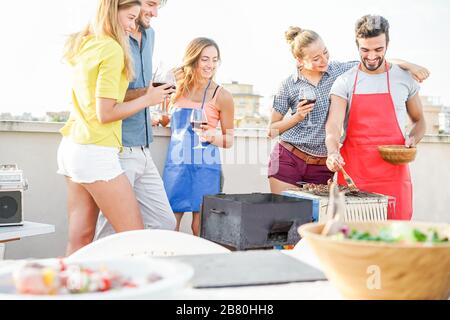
33, 146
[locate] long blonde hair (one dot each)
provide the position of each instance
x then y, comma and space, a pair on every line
299, 39
190, 63
105, 23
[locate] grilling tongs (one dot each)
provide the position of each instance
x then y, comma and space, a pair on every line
335, 211
351, 184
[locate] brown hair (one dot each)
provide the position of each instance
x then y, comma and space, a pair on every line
299, 39
190, 62
371, 26
105, 24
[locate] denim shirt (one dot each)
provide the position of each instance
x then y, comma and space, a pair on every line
137, 129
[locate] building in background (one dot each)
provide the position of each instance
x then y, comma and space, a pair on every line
26, 116
444, 121
432, 108
247, 106
60, 116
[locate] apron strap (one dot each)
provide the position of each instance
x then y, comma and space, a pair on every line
388, 77
206, 90
356, 78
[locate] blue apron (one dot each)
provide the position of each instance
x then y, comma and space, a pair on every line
189, 174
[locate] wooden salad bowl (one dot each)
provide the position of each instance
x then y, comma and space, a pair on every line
381, 270
397, 154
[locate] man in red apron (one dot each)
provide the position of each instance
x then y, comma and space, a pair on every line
372, 102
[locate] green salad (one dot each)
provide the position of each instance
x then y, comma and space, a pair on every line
396, 233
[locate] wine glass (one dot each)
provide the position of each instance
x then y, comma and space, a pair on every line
198, 119
156, 113
163, 76
309, 95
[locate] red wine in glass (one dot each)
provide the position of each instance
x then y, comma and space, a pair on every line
308, 101
158, 84
198, 118
197, 125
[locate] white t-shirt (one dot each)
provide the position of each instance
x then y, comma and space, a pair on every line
403, 88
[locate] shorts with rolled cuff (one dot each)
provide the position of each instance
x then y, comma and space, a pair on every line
88, 163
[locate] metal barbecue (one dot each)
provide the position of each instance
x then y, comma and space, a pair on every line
360, 206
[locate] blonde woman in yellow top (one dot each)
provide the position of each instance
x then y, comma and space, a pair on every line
89, 152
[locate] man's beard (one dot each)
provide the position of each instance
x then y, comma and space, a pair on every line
373, 68
141, 24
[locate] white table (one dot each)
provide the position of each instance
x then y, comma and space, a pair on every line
29, 229
320, 290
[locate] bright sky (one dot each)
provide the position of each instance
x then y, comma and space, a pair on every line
250, 34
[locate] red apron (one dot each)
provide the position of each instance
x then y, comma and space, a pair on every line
373, 122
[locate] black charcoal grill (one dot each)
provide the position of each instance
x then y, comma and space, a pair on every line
254, 221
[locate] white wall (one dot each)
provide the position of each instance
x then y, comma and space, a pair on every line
33, 147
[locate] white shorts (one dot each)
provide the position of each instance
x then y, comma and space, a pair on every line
149, 190
88, 163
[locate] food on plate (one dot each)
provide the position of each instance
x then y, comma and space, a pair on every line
60, 278
396, 233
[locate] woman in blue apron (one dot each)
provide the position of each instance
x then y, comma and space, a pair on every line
191, 172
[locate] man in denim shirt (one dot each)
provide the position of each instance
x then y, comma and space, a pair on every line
136, 159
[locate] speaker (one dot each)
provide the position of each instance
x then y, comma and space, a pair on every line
11, 205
